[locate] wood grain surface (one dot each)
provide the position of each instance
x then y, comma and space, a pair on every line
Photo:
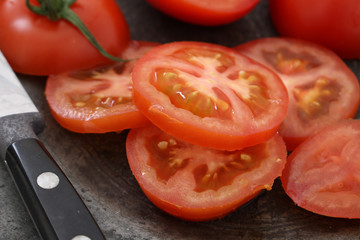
97, 165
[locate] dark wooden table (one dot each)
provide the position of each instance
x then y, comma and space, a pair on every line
98, 168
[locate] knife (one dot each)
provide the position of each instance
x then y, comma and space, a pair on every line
52, 202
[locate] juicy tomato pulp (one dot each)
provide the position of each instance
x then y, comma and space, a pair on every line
322, 89
209, 95
34, 44
196, 183
332, 23
216, 12
98, 100
323, 174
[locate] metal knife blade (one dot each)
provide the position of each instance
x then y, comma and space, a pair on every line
13, 97
55, 207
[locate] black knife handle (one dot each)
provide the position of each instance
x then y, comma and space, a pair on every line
55, 207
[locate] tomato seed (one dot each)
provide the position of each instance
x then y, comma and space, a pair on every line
163, 145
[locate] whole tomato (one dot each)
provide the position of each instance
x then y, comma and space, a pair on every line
332, 23
34, 44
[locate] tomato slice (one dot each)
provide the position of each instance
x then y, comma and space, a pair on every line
216, 12
322, 175
196, 183
98, 100
209, 95
322, 89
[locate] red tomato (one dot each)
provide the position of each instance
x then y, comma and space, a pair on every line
33, 44
333, 23
196, 183
209, 95
206, 13
98, 100
322, 89
322, 175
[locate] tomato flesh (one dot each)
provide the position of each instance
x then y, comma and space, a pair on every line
209, 95
197, 183
98, 100
322, 174
321, 88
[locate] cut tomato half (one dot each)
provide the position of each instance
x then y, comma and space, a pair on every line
196, 183
209, 95
322, 175
322, 89
98, 100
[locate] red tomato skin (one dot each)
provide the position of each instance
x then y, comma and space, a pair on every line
332, 23
198, 13
174, 205
200, 214
35, 45
342, 132
102, 125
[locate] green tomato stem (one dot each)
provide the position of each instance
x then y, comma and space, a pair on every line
60, 9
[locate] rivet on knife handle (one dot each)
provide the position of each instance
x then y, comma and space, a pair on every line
55, 207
